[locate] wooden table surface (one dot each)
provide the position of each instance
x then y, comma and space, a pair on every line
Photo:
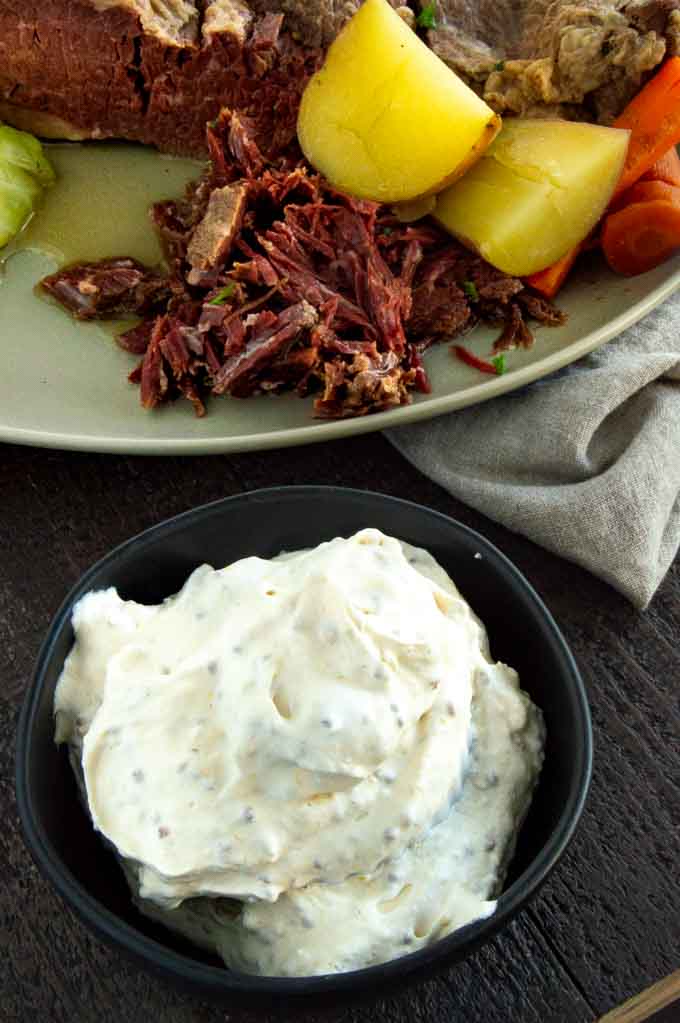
605, 926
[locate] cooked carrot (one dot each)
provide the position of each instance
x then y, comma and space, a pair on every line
666, 169
646, 191
653, 119
549, 281
641, 236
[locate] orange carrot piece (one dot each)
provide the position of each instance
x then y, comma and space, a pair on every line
666, 169
641, 236
646, 191
653, 119
549, 281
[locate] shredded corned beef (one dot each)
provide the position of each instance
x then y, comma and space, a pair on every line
277, 281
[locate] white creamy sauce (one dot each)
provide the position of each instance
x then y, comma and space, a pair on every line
309, 764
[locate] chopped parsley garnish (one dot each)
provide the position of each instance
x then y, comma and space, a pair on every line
225, 293
470, 289
427, 17
498, 362
387, 230
500, 66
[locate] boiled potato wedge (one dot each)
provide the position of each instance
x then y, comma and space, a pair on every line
386, 119
537, 192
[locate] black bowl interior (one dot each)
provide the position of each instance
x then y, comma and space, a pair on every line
155, 565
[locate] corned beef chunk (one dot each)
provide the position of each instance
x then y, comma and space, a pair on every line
109, 288
146, 71
157, 71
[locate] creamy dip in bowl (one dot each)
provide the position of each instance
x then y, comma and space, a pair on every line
309, 764
423, 905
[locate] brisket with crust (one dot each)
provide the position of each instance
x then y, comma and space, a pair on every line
154, 71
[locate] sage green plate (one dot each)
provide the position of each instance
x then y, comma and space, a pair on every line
63, 384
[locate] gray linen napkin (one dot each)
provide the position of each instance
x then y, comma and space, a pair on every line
585, 462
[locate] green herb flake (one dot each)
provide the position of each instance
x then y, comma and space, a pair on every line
470, 289
500, 66
388, 231
225, 293
498, 363
427, 17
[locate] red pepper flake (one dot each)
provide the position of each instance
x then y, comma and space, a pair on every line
466, 356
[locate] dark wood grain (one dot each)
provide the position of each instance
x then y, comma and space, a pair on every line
605, 926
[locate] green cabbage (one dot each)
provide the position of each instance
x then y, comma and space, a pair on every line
24, 172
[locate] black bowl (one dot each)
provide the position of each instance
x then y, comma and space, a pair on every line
155, 564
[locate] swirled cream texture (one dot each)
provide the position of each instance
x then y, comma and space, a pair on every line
309, 764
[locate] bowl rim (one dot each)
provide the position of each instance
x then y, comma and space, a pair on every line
196, 975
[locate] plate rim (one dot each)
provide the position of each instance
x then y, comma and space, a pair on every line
317, 431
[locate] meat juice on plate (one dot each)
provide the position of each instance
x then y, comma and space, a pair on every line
309, 764
119, 183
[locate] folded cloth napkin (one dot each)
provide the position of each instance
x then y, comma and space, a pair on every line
585, 462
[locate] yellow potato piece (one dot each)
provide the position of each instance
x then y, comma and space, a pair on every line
537, 192
385, 118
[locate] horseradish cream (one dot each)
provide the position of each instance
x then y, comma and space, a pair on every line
309, 764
